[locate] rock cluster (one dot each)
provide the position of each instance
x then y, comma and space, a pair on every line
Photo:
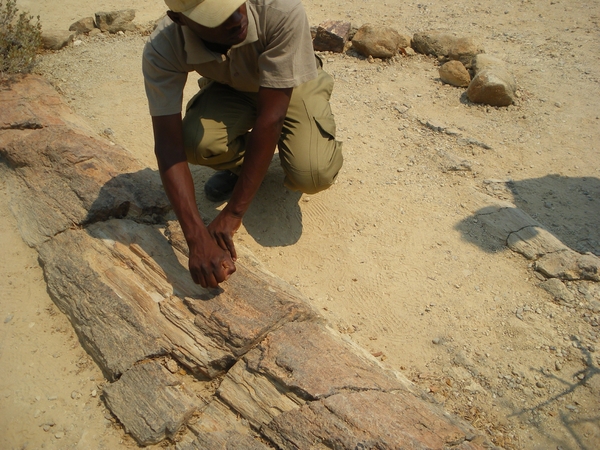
271, 371
464, 63
108, 22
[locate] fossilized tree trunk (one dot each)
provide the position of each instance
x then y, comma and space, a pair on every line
250, 365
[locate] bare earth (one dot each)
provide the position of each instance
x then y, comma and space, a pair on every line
393, 254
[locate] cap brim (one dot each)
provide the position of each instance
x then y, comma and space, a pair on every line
212, 13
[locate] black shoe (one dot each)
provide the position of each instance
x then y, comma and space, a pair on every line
220, 186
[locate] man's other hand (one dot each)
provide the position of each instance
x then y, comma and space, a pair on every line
222, 229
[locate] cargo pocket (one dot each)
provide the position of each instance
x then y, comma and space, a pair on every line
326, 125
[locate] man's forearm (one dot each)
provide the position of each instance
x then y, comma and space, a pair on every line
272, 108
179, 186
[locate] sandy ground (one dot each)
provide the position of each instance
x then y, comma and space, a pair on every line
393, 254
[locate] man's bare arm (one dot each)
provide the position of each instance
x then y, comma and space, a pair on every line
209, 264
271, 111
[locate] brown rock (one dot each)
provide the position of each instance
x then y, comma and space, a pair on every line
332, 36
55, 40
569, 265
455, 73
441, 44
378, 42
495, 87
83, 26
115, 21
150, 402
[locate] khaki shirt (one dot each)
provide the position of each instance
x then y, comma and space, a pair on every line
277, 53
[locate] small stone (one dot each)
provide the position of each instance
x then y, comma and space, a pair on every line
77, 43
172, 366
74, 395
341, 288
8, 318
557, 365
540, 385
59, 435
94, 393
436, 341
455, 73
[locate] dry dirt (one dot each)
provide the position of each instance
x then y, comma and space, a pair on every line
393, 254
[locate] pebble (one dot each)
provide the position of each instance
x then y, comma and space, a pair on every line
59, 435
341, 288
8, 318
557, 365
77, 43
74, 395
540, 385
172, 366
436, 341
94, 393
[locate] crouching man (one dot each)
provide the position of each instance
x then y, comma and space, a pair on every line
262, 88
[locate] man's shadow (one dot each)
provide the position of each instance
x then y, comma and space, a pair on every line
274, 218
568, 207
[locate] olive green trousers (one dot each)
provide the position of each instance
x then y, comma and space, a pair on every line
219, 117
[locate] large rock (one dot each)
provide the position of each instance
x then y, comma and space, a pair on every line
56, 39
115, 21
493, 84
446, 45
83, 26
378, 42
493, 87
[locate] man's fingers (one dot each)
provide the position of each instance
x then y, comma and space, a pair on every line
231, 249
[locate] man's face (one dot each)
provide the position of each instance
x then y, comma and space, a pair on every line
231, 32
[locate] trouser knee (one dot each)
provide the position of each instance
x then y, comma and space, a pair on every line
316, 179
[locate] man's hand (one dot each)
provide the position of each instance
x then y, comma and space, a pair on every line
209, 264
222, 229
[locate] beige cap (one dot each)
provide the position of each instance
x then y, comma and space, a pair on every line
209, 13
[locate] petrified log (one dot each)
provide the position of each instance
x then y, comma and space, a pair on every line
270, 370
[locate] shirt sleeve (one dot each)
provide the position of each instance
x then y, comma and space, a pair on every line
165, 70
288, 59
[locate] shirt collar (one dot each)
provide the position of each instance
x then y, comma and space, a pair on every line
196, 51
